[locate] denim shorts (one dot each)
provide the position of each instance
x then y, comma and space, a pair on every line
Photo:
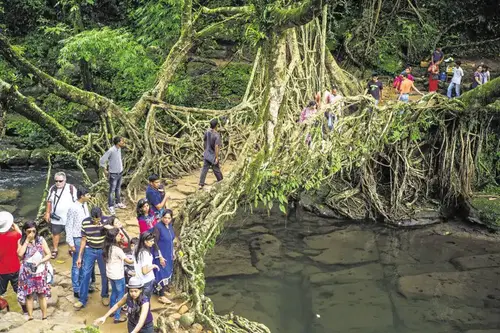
405, 98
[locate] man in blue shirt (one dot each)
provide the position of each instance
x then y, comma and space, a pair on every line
155, 194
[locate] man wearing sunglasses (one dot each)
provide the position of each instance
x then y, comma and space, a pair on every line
61, 197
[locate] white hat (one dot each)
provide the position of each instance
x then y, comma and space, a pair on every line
6, 220
135, 283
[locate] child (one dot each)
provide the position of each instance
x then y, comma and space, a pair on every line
140, 318
144, 262
129, 252
114, 258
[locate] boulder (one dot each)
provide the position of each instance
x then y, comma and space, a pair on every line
266, 254
7, 196
485, 209
196, 328
415, 269
183, 309
344, 247
8, 208
228, 260
477, 261
14, 156
185, 189
39, 157
11, 320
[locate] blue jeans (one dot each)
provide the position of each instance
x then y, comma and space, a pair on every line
146, 328
117, 292
147, 289
115, 182
450, 89
405, 98
90, 256
77, 273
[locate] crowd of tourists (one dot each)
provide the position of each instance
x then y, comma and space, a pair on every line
134, 267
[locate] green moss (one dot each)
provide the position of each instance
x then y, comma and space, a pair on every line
489, 210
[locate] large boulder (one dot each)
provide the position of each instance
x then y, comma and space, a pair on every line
485, 209
8, 196
228, 260
14, 156
11, 320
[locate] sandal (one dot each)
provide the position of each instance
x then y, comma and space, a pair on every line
54, 254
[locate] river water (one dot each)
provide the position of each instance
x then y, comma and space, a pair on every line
305, 274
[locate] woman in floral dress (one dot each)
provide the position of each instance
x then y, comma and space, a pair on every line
34, 253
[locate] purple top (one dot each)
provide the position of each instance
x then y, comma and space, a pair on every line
134, 314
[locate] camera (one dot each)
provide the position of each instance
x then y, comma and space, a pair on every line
54, 216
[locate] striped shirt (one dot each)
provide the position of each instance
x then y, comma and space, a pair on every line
94, 233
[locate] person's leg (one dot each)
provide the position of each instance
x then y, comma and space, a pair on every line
42, 300
457, 90
112, 186
217, 172
117, 189
29, 306
104, 278
112, 299
450, 89
76, 275
14, 282
204, 171
56, 236
120, 291
148, 289
147, 328
88, 261
4, 282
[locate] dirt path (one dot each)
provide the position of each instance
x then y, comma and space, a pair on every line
62, 316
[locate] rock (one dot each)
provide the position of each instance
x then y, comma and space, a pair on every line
258, 229
7, 196
14, 156
471, 287
196, 328
266, 254
175, 195
39, 156
175, 316
185, 189
64, 328
183, 309
11, 320
340, 308
344, 247
415, 269
294, 255
53, 301
229, 260
187, 320
8, 208
312, 204
371, 272
482, 210
478, 261
483, 331
64, 282
422, 218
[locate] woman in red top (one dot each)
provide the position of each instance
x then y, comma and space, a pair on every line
145, 216
433, 77
9, 236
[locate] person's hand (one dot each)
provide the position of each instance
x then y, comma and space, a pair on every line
47, 217
79, 262
163, 263
155, 267
38, 263
216, 161
30, 237
106, 174
99, 321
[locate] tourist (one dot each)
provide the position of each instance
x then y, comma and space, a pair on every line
130, 268
34, 253
477, 80
124, 237
9, 237
114, 172
433, 72
144, 262
335, 99
437, 56
406, 87
140, 318
164, 258
61, 197
456, 80
145, 216
92, 243
78, 212
211, 143
115, 269
306, 113
486, 74
155, 193
374, 88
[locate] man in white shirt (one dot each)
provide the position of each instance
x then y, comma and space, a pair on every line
61, 197
76, 214
456, 80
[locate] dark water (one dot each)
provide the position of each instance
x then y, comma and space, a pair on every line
312, 275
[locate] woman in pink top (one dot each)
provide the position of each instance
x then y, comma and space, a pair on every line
145, 216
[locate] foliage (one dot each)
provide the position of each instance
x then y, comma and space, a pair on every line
30, 134
115, 55
88, 329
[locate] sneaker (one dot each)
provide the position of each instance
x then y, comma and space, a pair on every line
76, 295
78, 305
105, 301
112, 210
120, 205
121, 320
91, 288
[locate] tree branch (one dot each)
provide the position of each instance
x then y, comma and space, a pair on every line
248, 10
299, 15
66, 91
214, 28
16, 101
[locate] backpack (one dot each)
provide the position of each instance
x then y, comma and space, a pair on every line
71, 190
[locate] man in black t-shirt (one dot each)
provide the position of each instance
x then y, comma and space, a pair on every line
212, 143
374, 88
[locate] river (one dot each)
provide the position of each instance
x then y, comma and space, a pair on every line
305, 274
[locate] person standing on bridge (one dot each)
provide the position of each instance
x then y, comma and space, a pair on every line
456, 80
114, 172
212, 143
374, 88
406, 87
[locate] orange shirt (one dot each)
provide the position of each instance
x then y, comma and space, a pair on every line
405, 87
